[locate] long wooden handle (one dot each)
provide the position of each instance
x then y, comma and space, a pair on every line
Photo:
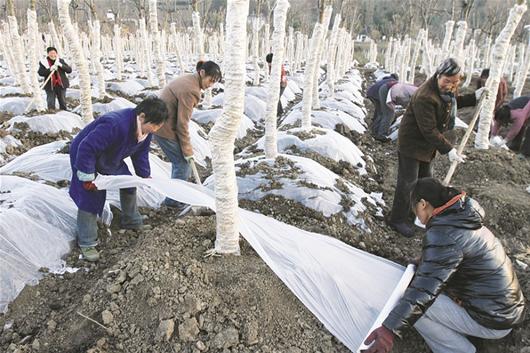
195, 172
462, 145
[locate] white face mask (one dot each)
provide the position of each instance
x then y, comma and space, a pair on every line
139, 135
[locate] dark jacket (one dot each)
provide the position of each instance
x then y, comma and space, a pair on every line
101, 148
463, 259
373, 90
425, 120
44, 71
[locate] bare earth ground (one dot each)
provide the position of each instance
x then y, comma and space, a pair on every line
154, 291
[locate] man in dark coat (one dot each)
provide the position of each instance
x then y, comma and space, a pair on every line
100, 148
377, 94
57, 84
431, 112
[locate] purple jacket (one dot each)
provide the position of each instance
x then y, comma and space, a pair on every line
373, 90
101, 148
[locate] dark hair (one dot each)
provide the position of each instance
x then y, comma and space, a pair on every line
155, 110
268, 58
49, 49
503, 115
485, 73
432, 191
210, 69
448, 67
394, 76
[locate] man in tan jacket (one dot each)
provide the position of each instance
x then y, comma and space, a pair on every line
182, 95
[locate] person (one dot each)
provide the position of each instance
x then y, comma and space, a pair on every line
57, 84
181, 95
502, 92
465, 284
283, 82
431, 112
516, 113
100, 148
378, 94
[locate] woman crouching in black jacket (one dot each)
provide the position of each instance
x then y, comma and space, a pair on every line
465, 284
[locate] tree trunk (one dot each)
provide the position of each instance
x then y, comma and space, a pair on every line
499, 52
78, 56
118, 50
523, 70
146, 48
18, 52
449, 27
155, 34
96, 56
33, 39
326, 17
278, 48
223, 134
459, 43
331, 58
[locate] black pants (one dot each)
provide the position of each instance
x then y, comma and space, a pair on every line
521, 142
279, 111
59, 93
409, 171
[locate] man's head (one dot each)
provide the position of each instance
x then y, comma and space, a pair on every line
503, 115
152, 113
52, 53
268, 58
448, 75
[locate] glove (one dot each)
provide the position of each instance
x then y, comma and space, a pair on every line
383, 340
498, 141
54, 67
58, 63
479, 92
189, 159
89, 186
454, 156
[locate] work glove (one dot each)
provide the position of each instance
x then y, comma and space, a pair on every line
89, 186
498, 141
189, 159
454, 156
54, 67
383, 340
479, 92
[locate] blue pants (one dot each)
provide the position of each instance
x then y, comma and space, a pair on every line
87, 227
180, 168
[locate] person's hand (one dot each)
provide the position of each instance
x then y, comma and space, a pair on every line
54, 67
454, 156
382, 339
189, 159
481, 91
498, 141
89, 186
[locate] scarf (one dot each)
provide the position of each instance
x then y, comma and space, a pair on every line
450, 98
56, 78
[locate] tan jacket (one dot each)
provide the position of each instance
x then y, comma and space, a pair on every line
180, 95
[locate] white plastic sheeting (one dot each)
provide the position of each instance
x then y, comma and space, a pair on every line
211, 115
329, 119
37, 223
130, 87
345, 288
14, 105
50, 123
115, 104
254, 106
325, 142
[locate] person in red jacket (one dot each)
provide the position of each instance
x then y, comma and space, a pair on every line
57, 84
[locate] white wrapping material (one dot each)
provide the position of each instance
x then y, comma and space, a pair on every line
159, 59
33, 34
37, 223
327, 119
211, 115
309, 76
18, 53
254, 107
500, 49
331, 55
78, 56
96, 58
345, 288
278, 44
116, 104
223, 134
14, 105
130, 87
8, 141
49, 123
449, 26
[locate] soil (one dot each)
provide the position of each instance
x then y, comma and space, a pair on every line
153, 291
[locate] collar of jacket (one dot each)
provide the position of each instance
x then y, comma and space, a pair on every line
448, 204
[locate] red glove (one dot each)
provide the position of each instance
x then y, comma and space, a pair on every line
383, 340
89, 186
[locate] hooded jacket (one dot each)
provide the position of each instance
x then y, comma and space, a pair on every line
465, 260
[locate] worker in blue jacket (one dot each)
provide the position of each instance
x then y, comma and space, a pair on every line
100, 148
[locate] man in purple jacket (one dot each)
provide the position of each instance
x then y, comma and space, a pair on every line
377, 93
100, 148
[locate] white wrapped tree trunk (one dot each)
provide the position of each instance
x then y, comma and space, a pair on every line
417, 47
405, 58
309, 77
449, 26
118, 49
175, 41
471, 62
155, 34
332, 52
299, 52
79, 59
223, 134
522, 73
56, 42
33, 39
19, 54
5, 43
487, 53
146, 48
255, 49
509, 63
96, 57
320, 48
278, 48
290, 46
199, 41
460, 37
499, 52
